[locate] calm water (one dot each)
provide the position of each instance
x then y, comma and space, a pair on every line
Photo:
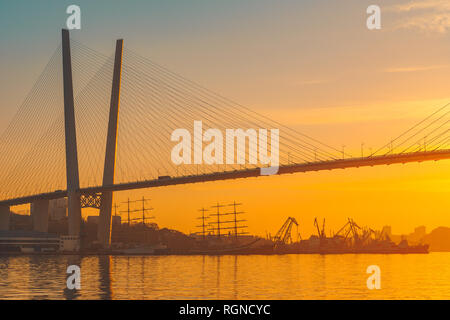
227, 277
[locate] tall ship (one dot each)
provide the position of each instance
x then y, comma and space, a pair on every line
222, 232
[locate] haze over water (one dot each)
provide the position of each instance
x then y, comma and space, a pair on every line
413, 276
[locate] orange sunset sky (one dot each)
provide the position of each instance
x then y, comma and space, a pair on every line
311, 65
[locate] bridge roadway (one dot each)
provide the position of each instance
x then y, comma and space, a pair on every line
246, 173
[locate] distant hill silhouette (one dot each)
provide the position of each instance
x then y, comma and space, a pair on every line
438, 239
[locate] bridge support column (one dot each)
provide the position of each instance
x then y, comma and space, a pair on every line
73, 181
5, 216
39, 214
104, 225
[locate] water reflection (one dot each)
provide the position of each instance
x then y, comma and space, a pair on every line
218, 276
226, 277
235, 291
105, 280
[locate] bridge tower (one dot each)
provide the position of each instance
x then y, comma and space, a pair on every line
4, 218
104, 225
72, 174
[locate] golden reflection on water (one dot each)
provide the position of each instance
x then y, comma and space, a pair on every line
413, 276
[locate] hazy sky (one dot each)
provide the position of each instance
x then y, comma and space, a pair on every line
312, 65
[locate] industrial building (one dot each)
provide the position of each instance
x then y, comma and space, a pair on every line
36, 242
28, 241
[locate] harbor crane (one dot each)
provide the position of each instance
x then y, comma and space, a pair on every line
321, 233
283, 235
353, 234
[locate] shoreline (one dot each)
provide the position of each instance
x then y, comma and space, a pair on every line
15, 254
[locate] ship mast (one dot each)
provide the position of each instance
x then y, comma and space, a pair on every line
203, 225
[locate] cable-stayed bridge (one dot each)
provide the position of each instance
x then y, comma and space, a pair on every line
94, 124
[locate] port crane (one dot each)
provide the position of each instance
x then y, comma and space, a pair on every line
321, 233
353, 234
343, 232
283, 235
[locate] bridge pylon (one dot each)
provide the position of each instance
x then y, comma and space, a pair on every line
5, 215
72, 173
104, 225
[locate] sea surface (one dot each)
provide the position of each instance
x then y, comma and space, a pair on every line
412, 276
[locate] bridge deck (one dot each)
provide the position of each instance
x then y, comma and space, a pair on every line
247, 173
